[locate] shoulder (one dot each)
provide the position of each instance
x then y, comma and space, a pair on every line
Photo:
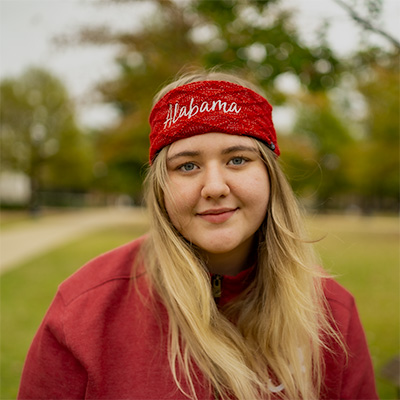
341, 304
349, 372
337, 295
114, 265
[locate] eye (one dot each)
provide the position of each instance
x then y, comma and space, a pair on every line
237, 161
187, 167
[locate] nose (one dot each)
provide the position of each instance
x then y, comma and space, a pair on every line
215, 184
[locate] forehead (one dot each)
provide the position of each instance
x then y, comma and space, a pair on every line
210, 141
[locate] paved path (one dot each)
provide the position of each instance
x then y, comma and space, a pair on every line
31, 238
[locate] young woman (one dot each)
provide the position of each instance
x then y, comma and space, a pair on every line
224, 298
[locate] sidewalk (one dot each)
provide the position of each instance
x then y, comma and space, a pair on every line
31, 238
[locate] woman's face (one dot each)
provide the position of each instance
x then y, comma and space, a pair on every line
217, 192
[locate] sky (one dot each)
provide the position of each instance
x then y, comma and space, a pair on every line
27, 29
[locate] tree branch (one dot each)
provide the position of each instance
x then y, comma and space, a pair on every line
367, 24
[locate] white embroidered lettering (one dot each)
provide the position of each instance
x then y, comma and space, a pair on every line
182, 112
233, 108
192, 110
204, 107
168, 120
220, 105
177, 112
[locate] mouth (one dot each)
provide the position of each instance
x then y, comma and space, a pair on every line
217, 216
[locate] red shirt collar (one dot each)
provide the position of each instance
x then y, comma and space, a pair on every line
232, 286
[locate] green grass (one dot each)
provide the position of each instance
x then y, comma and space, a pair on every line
361, 252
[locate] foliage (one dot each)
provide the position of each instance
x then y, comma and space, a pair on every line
39, 136
379, 161
367, 14
330, 139
254, 37
346, 109
343, 150
328, 153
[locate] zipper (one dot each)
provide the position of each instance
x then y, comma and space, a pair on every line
216, 285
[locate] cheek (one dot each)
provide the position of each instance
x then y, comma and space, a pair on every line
258, 196
256, 190
178, 203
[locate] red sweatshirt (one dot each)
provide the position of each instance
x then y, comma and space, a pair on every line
99, 340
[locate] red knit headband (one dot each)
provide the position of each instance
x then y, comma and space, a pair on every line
210, 106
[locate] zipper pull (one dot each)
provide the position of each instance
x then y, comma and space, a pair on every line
216, 284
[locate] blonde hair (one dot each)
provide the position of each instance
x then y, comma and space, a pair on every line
281, 320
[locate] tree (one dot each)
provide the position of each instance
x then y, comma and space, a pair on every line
253, 36
330, 139
377, 171
367, 18
39, 136
259, 39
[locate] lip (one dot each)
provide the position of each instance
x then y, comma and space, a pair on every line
217, 215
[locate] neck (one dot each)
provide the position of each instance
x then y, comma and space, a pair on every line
233, 262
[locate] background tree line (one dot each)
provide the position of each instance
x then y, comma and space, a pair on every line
340, 149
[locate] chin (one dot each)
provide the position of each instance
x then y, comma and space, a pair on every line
218, 250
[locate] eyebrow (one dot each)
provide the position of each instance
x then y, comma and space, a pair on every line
228, 150
233, 149
183, 154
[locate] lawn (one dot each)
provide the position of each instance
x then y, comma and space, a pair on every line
361, 252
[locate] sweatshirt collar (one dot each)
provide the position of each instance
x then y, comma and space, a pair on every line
227, 287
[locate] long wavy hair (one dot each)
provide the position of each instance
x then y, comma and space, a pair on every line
281, 322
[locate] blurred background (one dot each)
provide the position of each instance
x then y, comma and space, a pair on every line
77, 80
78, 77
